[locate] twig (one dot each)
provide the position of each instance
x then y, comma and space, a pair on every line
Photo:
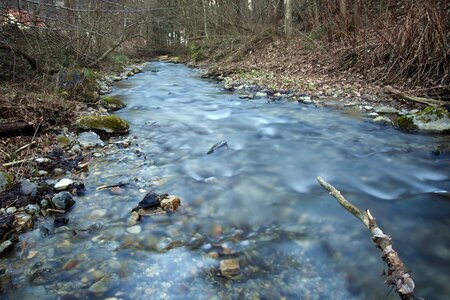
24, 147
397, 275
13, 163
104, 187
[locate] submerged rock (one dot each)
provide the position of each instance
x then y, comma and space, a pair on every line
150, 201
153, 204
23, 222
431, 119
90, 139
108, 124
112, 103
6, 181
229, 267
170, 203
63, 201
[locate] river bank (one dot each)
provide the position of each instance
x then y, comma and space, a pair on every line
40, 174
289, 70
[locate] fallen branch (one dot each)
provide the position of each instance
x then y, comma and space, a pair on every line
104, 187
390, 90
13, 163
397, 275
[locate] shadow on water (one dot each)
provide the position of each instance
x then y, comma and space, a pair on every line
256, 202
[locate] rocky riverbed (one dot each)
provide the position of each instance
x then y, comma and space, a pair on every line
251, 222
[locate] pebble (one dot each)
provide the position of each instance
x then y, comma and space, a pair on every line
42, 160
23, 221
11, 210
32, 254
42, 173
58, 171
28, 188
63, 200
63, 184
368, 107
382, 120
32, 209
170, 203
229, 267
44, 203
98, 213
136, 229
413, 111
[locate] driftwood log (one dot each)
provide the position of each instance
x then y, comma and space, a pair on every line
397, 276
433, 102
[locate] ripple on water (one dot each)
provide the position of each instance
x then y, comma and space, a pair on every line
218, 114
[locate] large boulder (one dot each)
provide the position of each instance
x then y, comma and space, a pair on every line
431, 119
6, 181
108, 124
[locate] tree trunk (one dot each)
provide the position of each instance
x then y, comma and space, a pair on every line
288, 24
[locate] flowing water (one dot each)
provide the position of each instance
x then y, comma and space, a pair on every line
257, 202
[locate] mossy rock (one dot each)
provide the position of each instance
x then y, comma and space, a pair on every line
108, 124
63, 141
430, 120
6, 181
406, 123
112, 103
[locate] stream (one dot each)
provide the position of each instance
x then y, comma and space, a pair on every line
257, 202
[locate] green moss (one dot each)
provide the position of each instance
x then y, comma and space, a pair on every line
406, 123
437, 112
112, 103
6, 181
109, 124
63, 140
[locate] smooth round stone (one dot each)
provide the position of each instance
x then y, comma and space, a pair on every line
63, 184
136, 229
11, 210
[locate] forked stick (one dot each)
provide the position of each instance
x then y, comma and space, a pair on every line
397, 274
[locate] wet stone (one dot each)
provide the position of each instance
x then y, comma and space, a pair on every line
382, 120
229, 267
90, 140
32, 209
136, 229
44, 203
23, 222
63, 201
170, 203
63, 184
60, 221
386, 110
11, 210
28, 188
